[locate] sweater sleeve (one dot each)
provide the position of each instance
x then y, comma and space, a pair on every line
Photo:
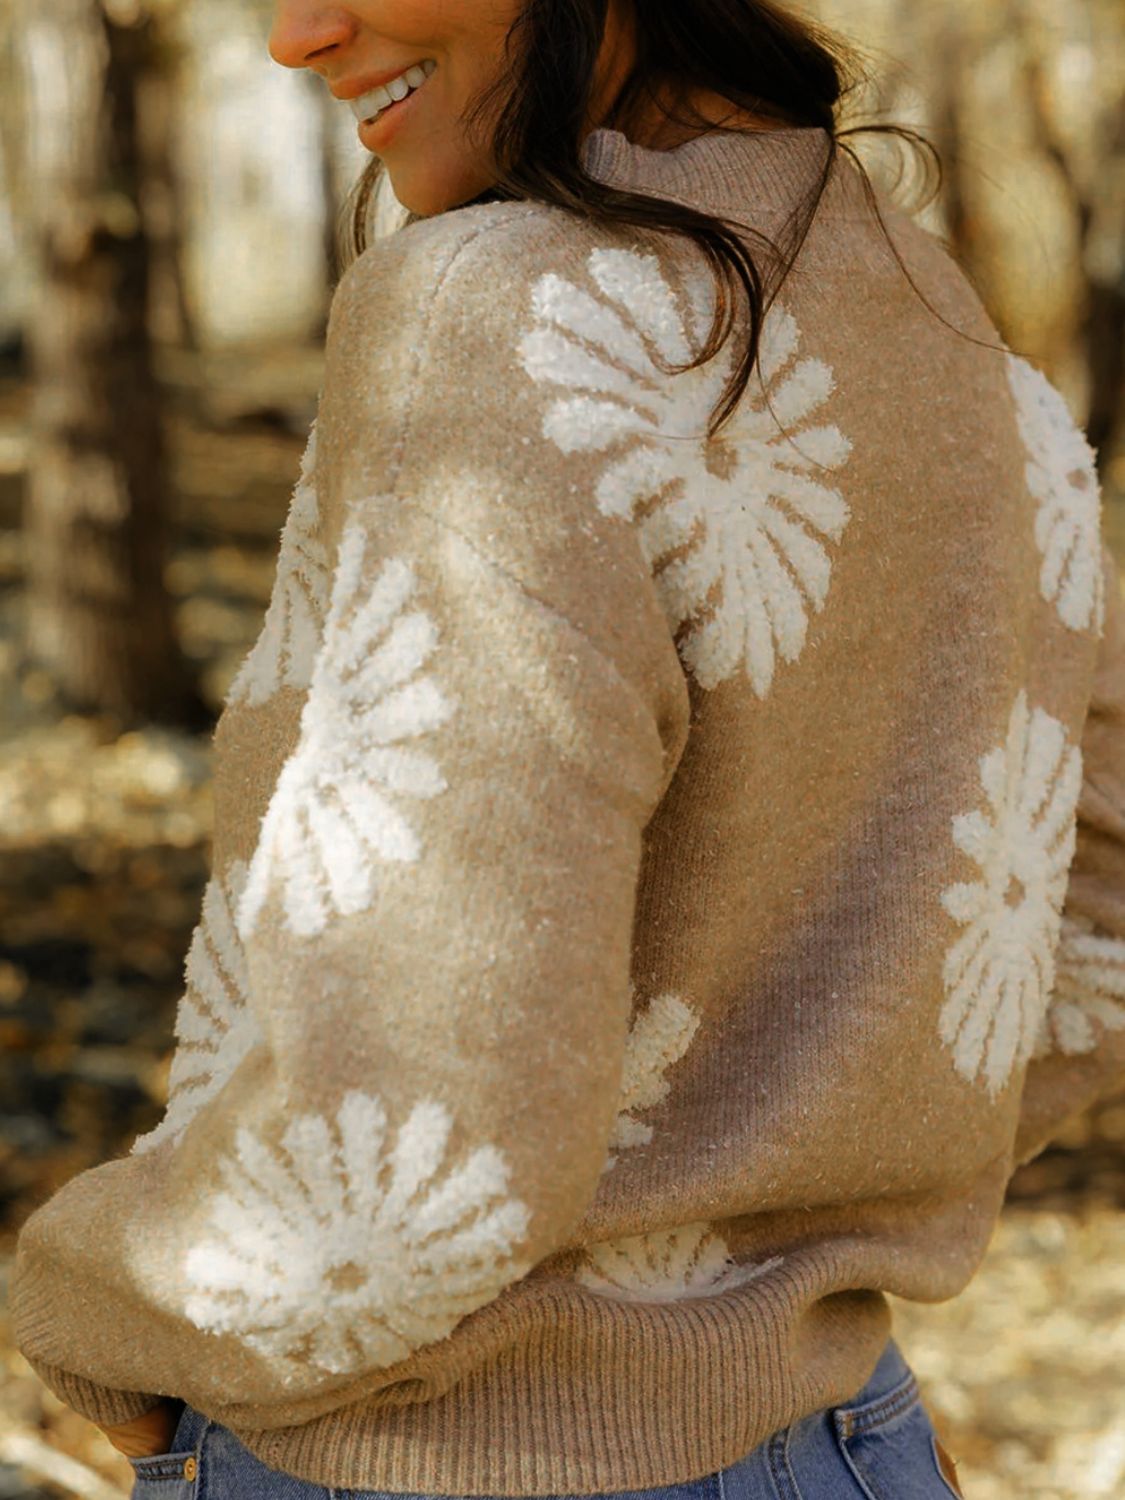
435, 909
1080, 1053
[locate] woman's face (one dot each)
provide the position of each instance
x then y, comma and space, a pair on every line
433, 165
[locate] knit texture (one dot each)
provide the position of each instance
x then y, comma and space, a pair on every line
661, 887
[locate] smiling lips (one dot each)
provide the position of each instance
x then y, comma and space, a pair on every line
370, 105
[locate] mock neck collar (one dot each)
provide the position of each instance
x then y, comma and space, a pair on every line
723, 171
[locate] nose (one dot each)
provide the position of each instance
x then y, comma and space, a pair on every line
303, 31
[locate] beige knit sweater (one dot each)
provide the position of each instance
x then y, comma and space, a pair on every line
661, 888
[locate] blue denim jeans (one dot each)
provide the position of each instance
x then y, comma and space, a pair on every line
880, 1445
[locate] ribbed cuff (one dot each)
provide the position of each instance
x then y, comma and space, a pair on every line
32, 1301
97, 1403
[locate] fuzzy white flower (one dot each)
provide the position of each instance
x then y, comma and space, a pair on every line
1063, 479
345, 1253
215, 1028
731, 528
1089, 990
335, 809
285, 650
659, 1037
670, 1265
998, 975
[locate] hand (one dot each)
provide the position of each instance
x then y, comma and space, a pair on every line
147, 1434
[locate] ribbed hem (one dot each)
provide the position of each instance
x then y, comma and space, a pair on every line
599, 1395
555, 1389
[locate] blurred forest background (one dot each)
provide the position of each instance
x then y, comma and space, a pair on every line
168, 208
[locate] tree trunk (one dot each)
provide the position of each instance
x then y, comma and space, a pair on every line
161, 125
98, 616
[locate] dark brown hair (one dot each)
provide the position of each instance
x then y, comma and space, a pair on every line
767, 61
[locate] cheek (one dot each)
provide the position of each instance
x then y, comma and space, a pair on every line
395, 20
475, 31
460, 25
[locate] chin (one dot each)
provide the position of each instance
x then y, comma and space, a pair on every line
427, 195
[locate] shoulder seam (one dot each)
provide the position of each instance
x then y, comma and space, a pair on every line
455, 257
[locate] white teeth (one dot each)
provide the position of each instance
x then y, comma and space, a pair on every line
368, 105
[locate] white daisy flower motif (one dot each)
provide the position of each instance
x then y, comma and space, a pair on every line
998, 975
286, 648
667, 1266
215, 1027
1063, 480
343, 1252
659, 1037
1089, 994
335, 810
732, 528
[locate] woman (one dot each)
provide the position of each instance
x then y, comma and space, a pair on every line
669, 855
